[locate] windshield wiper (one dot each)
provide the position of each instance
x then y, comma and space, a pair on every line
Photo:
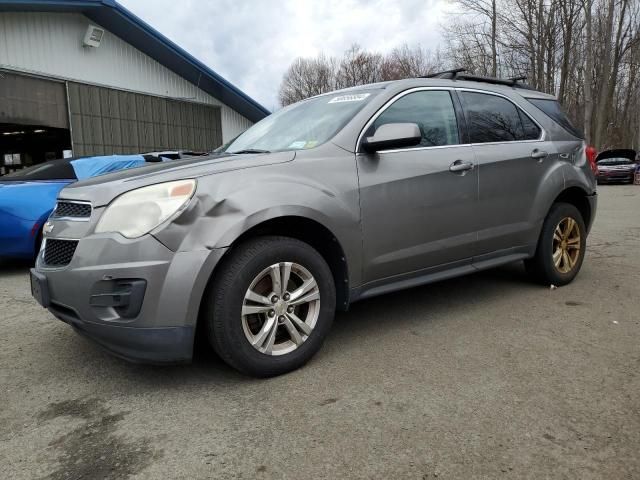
249, 150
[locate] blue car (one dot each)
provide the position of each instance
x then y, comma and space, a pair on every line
28, 196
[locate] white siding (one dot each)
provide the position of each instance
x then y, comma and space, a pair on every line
51, 44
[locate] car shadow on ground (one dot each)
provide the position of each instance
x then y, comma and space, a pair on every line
438, 302
13, 266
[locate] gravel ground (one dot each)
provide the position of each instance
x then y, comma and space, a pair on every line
486, 376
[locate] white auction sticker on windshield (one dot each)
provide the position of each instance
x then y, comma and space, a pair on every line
357, 97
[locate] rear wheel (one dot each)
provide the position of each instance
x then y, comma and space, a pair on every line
561, 246
270, 306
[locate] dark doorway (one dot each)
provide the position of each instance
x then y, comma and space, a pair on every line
25, 145
34, 121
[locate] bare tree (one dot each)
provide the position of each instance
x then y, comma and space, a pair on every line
588, 76
307, 77
586, 52
358, 67
407, 62
576, 49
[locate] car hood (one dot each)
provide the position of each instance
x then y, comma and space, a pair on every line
102, 190
617, 153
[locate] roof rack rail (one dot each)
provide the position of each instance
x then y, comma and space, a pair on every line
493, 80
446, 74
457, 74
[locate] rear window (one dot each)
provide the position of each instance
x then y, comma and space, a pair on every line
553, 109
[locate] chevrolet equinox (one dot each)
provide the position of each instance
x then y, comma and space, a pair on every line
332, 200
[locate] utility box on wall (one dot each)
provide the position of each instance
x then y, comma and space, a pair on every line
93, 36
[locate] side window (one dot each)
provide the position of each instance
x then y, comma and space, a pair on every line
431, 110
531, 130
491, 118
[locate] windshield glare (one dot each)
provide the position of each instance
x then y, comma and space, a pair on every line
303, 125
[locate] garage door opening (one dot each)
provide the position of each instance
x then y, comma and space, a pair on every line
25, 145
34, 121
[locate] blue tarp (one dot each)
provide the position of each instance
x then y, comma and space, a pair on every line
92, 166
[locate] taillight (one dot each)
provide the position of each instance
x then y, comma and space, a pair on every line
592, 154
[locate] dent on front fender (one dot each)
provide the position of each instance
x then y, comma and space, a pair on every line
229, 204
215, 220
226, 206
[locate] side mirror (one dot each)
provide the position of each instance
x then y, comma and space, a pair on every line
392, 135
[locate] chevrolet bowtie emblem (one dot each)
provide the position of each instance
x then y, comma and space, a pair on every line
48, 228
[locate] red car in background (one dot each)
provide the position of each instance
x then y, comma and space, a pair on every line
616, 166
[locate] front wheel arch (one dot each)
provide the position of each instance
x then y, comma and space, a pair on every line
304, 229
224, 295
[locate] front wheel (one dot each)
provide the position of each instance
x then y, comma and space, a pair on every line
270, 306
561, 246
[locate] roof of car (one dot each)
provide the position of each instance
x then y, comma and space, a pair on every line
443, 82
470, 84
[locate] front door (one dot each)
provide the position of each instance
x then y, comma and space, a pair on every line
418, 204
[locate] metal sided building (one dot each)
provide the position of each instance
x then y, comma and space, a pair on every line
88, 77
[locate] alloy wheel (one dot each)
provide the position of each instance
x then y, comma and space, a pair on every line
566, 245
280, 308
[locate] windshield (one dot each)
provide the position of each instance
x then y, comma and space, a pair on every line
302, 125
615, 161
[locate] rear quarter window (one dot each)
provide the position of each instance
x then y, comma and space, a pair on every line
553, 109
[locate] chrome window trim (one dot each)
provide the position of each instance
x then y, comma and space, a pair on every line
384, 107
71, 219
417, 149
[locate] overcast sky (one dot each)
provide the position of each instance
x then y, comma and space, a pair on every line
251, 43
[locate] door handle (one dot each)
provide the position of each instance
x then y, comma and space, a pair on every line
460, 166
539, 154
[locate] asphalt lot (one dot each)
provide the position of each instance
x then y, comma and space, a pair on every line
486, 376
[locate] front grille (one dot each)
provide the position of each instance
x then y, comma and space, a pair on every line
58, 253
72, 210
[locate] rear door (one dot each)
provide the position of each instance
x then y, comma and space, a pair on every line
513, 159
418, 203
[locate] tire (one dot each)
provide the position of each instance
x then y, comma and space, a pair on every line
231, 331
542, 266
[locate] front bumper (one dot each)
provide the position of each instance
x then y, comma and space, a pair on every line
166, 345
616, 178
136, 298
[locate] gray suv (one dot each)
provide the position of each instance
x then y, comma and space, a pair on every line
326, 202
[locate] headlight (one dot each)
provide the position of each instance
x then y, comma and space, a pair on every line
139, 211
